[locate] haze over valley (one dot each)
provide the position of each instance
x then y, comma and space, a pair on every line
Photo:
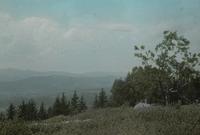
16, 84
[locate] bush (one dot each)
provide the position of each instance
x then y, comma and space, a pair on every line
14, 128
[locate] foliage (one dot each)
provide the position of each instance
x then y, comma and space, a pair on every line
14, 128
2, 117
11, 112
175, 62
63, 107
29, 111
168, 74
42, 113
101, 100
81, 105
74, 103
57, 107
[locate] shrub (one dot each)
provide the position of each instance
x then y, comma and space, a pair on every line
14, 128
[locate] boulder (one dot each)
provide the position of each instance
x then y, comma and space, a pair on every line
141, 106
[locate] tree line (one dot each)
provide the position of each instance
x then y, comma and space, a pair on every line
29, 111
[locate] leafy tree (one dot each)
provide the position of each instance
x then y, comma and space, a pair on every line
137, 86
11, 112
117, 92
167, 74
175, 63
111, 102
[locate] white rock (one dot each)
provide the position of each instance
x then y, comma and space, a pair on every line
141, 106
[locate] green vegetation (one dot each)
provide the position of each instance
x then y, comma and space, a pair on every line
29, 111
121, 121
11, 112
167, 75
14, 128
101, 100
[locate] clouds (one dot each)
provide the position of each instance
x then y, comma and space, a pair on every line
27, 35
43, 43
24, 41
35, 42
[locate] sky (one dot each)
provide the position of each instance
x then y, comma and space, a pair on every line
89, 35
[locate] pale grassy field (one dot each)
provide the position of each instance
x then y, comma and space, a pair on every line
124, 121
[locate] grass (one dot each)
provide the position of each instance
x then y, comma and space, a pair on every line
124, 121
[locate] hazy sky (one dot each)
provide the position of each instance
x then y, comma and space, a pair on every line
89, 35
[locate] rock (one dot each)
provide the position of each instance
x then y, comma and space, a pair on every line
141, 106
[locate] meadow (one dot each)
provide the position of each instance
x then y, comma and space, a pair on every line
175, 120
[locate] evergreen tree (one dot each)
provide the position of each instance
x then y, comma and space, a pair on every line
42, 114
102, 99
11, 112
49, 112
96, 105
74, 103
63, 99
2, 117
22, 114
64, 105
31, 110
82, 105
57, 107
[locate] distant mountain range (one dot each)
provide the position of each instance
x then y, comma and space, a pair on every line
16, 80
15, 83
12, 74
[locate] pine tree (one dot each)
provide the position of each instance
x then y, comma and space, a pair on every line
82, 105
31, 110
2, 117
64, 105
74, 103
22, 111
63, 99
42, 114
11, 112
102, 99
95, 105
49, 112
57, 107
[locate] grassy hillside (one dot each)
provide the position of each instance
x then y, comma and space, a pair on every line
123, 121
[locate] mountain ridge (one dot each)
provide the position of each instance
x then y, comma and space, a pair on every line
14, 74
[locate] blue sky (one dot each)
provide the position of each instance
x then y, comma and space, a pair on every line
89, 35
117, 10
